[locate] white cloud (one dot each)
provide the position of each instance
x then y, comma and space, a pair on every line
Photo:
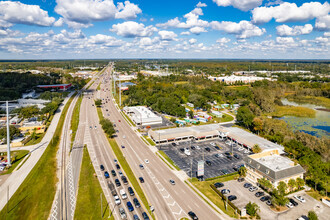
290, 12
19, 13
185, 33
200, 5
192, 40
243, 5
323, 23
105, 40
284, 30
223, 40
243, 29
167, 35
197, 30
59, 22
326, 34
127, 10
284, 40
133, 29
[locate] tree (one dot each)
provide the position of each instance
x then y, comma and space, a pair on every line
242, 171
13, 132
292, 184
245, 116
29, 111
258, 124
256, 149
98, 102
282, 187
300, 182
312, 215
252, 209
191, 114
107, 126
278, 198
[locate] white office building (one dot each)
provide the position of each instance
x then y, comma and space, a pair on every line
141, 115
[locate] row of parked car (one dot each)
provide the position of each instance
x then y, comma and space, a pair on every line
225, 191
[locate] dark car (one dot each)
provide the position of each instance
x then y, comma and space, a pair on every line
182, 150
207, 149
258, 194
136, 217
130, 206
247, 185
224, 172
216, 147
264, 198
193, 147
293, 202
124, 179
136, 203
232, 197
122, 146
241, 179
141, 179
225, 191
117, 166
102, 167
193, 215
229, 157
106, 174
227, 153
117, 182
130, 191
173, 144
209, 163
237, 156
145, 216
218, 185
113, 172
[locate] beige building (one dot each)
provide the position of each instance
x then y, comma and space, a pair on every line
271, 166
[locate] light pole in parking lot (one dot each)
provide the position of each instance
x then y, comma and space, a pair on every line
191, 166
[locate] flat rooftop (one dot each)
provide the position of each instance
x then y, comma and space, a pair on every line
275, 162
200, 128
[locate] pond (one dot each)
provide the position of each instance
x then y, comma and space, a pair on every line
318, 126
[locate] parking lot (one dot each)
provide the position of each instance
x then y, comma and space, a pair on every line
219, 165
244, 196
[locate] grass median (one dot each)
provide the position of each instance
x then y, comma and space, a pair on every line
75, 119
89, 191
17, 157
34, 198
168, 159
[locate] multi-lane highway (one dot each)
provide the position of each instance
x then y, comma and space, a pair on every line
170, 201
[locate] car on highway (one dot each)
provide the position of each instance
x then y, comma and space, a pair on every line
120, 173
106, 174
115, 160
192, 215
117, 182
123, 194
136, 217
130, 206
117, 166
122, 146
113, 173
124, 179
122, 213
141, 166
146, 161
102, 167
172, 182
95, 127
130, 191
141, 179
218, 185
145, 216
117, 200
136, 203
232, 197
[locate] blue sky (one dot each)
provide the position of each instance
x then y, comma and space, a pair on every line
92, 29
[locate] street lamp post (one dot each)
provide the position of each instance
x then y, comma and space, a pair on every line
8, 136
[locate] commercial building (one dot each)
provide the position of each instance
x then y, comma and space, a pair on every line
155, 73
141, 115
40, 103
125, 77
63, 87
125, 86
273, 167
235, 79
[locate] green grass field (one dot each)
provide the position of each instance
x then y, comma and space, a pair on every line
34, 198
296, 111
75, 119
89, 191
37, 140
17, 157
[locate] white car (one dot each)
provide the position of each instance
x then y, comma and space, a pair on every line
197, 147
120, 173
299, 198
246, 151
213, 144
289, 205
146, 161
123, 194
187, 151
117, 200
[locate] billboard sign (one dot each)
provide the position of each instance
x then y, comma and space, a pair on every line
200, 168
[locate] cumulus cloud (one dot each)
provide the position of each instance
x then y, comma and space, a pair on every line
243, 5
185, 33
243, 29
284, 40
192, 41
133, 29
127, 10
167, 35
284, 30
290, 12
200, 5
19, 13
105, 40
197, 30
323, 23
223, 40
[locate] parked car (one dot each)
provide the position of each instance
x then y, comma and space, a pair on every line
237, 156
241, 179
130, 206
102, 167
136, 203
269, 202
225, 172
193, 147
141, 166
141, 179
299, 198
192, 215
182, 150
289, 205
130, 191
293, 202
216, 147
106, 174
120, 173
115, 160
146, 161
117, 182
247, 185
209, 163
117, 166
123, 194
113, 173
253, 188
145, 216
218, 185
197, 147
225, 191
229, 157
207, 149
124, 179
264, 198
136, 217
217, 155
172, 182
122, 213
258, 194
227, 153
173, 144
232, 197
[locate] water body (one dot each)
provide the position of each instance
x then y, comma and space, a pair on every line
318, 126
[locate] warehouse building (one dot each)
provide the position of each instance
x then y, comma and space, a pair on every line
62, 87
142, 116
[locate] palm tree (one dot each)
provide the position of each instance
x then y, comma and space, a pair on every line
292, 184
242, 171
256, 149
300, 182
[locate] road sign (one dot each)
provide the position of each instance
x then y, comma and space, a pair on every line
200, 168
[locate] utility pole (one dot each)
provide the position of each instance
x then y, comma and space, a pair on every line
8, 136
119, 93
